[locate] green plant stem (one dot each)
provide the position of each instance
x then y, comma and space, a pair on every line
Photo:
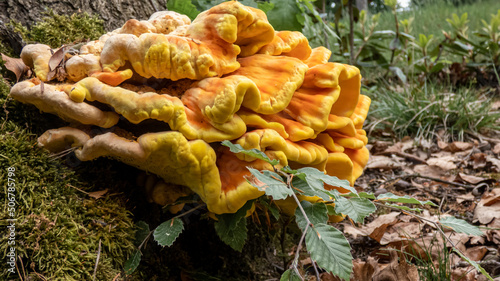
189, 211
351, 32
176, 217
309, 224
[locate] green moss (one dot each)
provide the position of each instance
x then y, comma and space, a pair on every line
56, 30
6, 50
58, 227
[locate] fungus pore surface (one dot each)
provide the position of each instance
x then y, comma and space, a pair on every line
228, 75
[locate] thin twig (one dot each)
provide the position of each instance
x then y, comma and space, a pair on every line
190, 211
442, 201
315, 270
97, 260
176, 217
431, 178
78, 189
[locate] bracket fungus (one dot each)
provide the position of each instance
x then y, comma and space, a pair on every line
168, 91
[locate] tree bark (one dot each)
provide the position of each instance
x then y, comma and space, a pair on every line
113, 12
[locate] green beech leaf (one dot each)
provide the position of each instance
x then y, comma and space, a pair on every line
317, 213
283, 15
361, 195
474, 264
331, 210
270, 183
461, 226
141, 233
315, 180
330, 249
290, 275
403, 199
232, 228
236, 148
166, 233
356, 208
133, 262
289, 170
302, 187
184, 7
265, 6
404, 208
234, 237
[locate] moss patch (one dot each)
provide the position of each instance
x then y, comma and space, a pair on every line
58, 227
55, 30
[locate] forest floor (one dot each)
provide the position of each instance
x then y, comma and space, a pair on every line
461, 178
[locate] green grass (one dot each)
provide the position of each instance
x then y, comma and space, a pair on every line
421, 112
431, 18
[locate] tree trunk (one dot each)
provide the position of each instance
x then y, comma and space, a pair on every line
113, 12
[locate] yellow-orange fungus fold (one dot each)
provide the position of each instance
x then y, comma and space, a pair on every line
168, 91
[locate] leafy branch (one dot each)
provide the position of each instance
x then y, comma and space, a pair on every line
326, 245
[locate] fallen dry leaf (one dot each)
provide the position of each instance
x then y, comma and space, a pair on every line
428, 171
399, 150
382, 162
377, 228
56, 65
471, 179
400, 147
363, 271
476, 253
57, 58
466, 197
488, 208
496, 148
16, 66
353, 231
463, 274
445, 163
379, 146
479, 160
455, 146
494, 161
98, 194
397, 270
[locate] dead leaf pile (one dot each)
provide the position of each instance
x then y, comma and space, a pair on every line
461, 178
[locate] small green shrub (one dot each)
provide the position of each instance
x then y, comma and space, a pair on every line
56, 30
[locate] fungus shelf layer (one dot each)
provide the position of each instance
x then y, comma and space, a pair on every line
228, 75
